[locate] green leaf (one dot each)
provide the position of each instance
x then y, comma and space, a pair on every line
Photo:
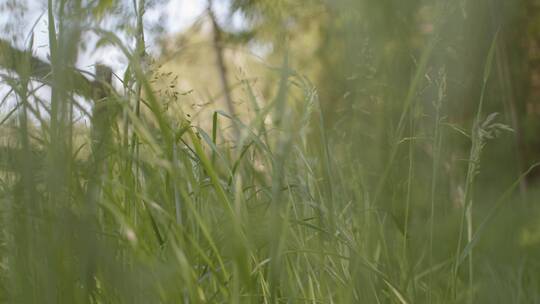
102, 7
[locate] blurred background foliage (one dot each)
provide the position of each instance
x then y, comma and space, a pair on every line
285, 151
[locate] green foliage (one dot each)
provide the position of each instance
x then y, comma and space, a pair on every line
101, 7
351, 180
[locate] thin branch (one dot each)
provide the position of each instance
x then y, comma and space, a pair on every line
11, 59
222, 68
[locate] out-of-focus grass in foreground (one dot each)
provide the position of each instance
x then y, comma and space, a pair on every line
386, 199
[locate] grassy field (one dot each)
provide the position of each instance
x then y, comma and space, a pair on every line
137, 204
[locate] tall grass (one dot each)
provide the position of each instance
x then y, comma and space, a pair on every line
144, 206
